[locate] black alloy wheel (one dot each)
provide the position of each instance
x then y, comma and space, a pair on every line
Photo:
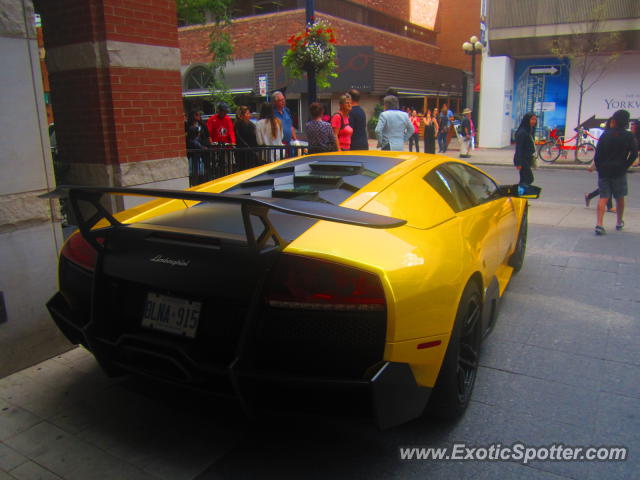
469, 351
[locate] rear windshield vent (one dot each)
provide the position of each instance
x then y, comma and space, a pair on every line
177, 239
315, 181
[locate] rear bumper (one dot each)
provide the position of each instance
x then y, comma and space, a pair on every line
387, 392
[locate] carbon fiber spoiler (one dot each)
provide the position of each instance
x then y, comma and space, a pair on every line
256, 206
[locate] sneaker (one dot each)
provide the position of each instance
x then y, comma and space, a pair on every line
611, 210
600, 230
587, 200
620, 226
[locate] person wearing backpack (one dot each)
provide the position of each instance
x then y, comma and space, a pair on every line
340, 123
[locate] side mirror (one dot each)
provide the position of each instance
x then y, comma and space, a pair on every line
523, 191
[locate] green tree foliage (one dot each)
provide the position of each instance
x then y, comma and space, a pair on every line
219, 13
373, 121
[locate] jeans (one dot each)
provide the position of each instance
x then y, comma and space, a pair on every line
415, 138
442, 142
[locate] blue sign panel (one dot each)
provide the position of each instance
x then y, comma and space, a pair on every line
541, 86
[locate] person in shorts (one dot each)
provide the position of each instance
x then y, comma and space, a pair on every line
616, 151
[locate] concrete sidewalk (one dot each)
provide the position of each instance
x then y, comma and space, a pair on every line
494, 156
577, 216
504, 156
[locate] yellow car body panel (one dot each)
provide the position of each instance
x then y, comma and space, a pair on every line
423, 282
424, 265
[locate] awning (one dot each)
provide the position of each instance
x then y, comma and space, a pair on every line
239, 77
206, 92
407, 92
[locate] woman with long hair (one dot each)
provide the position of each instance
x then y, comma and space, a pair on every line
430, 132
245, 128
525, 148
197, 142
245, 137
415, 138
269, 130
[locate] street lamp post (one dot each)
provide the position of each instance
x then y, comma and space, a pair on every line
311, 73
473, 47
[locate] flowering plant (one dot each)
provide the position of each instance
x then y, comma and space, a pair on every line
314, 49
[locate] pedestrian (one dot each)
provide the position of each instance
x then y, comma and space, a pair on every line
358, 121
430, 132
197, 142
394, 127
415, 138
283, 114
466, 134
269, 132
319, 133
443, 129
617, 150
452, 130
197, 132
246, 139
589, 196
340, 123
525, 148
245, 129
220, 126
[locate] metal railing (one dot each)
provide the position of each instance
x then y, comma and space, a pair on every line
219, 161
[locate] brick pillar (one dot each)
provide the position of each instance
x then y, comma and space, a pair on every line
114, 69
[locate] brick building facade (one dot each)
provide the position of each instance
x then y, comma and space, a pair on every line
114, 72
421, 37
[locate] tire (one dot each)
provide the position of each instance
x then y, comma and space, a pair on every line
585, 153
549, 151
517, 257
457, 376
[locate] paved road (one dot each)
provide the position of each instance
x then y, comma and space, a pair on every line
564, 185
562, 366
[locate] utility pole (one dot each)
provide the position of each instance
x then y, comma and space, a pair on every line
473, 47
311, 73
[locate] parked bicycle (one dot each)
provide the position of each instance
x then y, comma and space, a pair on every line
582, 144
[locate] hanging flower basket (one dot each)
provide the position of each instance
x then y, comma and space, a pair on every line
314, 49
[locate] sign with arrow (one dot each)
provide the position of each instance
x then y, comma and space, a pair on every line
544, 70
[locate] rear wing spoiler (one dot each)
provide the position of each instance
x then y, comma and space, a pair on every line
256, 206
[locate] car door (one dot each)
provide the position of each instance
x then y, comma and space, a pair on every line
497, 209
478, 220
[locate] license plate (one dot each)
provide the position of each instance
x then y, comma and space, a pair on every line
170, 314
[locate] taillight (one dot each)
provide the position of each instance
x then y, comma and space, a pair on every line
307, 283
80, 252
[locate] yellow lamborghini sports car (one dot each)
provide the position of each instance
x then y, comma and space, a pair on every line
366, 277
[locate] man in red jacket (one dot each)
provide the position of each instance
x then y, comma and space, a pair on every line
220, 126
